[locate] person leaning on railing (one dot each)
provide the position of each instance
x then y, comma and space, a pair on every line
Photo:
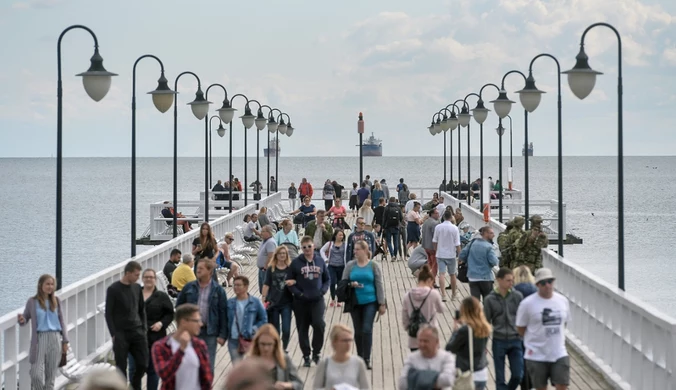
49, 336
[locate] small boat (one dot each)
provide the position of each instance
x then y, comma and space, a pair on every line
273, 148
530, 150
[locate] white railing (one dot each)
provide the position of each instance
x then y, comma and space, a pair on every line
630, 342
82, 302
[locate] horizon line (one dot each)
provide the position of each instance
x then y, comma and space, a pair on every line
367, 157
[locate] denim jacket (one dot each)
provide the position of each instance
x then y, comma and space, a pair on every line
480, 258
217, 323
255, 316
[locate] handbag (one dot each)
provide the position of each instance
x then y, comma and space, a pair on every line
243, 344
462, 266
64, 359
465, 380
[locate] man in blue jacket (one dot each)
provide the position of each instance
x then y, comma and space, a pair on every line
359, 234
245, 315
481, 258
206, 293
308, 280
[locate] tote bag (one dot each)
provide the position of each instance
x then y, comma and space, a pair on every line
465, 380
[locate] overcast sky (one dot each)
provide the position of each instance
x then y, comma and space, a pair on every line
322, 62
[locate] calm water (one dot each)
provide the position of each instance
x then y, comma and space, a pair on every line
97, 203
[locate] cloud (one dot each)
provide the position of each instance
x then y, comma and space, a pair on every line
669, 55
36, 4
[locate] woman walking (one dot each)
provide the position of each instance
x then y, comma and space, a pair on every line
341, 368
524, 282
204, 246
49, 336
424, 301
267, 346
367, 213
403, 194
376, 194
413, 226
328, 194
293, 193
472, 327
276, 295
339, 213
354, 199
366, 278
333, 253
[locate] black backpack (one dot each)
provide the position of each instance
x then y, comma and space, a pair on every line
417, 319
393, 216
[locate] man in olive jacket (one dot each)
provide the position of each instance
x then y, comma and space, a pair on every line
320, 230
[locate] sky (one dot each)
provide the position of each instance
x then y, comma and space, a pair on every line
321, 62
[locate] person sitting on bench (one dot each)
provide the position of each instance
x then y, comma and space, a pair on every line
168, 212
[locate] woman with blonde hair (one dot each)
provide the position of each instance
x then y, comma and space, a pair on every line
524, 282
49, 336
341, 368
367, 213
267, 346
471, 328
276, 295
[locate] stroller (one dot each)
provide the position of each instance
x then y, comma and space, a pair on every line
292, 248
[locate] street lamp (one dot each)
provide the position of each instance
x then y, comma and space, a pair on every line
272, 128
500, 130
163, 98
96, 81
221, 132
502, 106
510, 172
200, 109
452, 125
530, 97
227, 113
581, 80
248, 120
260, 123
465, 118
207, 153
480, 115
281, 128
455, 122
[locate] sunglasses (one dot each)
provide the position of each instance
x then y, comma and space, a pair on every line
545, 282
307, 246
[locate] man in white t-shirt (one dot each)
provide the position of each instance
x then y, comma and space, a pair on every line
181, 359
447, 245
541, 320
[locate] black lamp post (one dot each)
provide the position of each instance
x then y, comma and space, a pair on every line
207, 152
283, 128
221, 133
360, 130
511, 155
96, 81
200, 109
163, 98
480, 113
457, 119
530, 98
289, 131
445, 126
435, 128
500, 130
272, 128
260, 123
452, 125
502, 106
464, 119
581, 80
227, 113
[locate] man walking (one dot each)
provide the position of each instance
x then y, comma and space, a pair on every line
392, 217
305, 189
308, 280
320, 230
206, 293
446, 242
481, 259
359, 234
500, 307
428, 228
126, 320
541, 320
181, 359
265, 253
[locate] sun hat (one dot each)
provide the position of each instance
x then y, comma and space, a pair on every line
543, 274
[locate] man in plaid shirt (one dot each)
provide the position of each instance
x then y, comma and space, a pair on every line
181, 359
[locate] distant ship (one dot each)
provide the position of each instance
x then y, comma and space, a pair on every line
373, 147
530, 150
272, 149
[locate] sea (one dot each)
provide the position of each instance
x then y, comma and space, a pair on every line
96, 208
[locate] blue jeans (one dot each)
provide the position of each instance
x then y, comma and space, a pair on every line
479, 385
211, 346
513, 349
261, 280
232, 348
362, 320
336, 273
392, 236
283, 311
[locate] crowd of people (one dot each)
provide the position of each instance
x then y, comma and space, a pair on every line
522, 314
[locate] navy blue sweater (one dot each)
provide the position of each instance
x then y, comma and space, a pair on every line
312, 278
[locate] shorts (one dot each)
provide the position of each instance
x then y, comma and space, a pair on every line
557, 372
449, 266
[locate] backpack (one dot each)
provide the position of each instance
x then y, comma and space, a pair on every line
393, 216
416, 319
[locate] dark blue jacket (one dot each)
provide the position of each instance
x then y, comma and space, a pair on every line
312, 279
255, 316
217, 324
365, 235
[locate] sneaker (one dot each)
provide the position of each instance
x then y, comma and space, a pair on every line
443, 298
454, 296
315, 358
332, 304
449, 287
339, 304
368, 365
306, 361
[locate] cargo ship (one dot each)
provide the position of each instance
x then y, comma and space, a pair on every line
273, 148
373, 147
530, 150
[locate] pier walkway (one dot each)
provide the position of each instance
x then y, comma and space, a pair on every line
615, 340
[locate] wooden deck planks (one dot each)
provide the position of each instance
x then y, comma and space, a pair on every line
390, 343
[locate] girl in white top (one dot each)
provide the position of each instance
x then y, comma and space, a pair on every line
341, 368
367, 213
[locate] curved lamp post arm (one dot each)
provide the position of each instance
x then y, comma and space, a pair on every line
481, 91
206, 93
58, 45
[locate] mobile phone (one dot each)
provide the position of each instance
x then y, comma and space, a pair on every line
457, 314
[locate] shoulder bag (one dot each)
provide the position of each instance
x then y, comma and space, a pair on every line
465, 380
462, 265
243, 344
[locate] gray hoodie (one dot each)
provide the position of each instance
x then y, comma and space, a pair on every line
501, 313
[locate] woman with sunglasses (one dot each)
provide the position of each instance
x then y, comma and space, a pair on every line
267, 346
276, 295
366, 278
